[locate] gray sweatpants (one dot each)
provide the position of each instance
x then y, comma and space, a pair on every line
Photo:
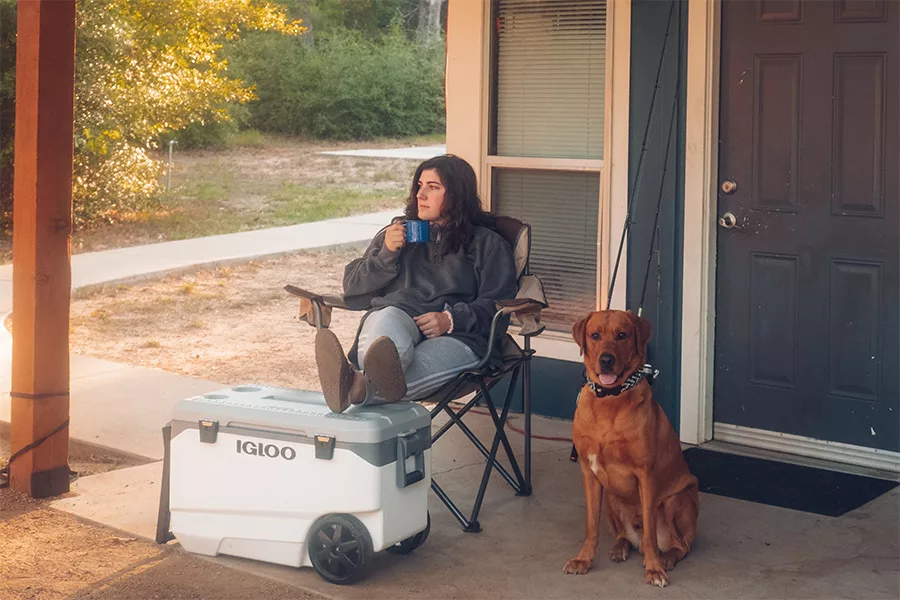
428, 363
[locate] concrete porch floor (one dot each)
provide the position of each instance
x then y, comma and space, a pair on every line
743, 550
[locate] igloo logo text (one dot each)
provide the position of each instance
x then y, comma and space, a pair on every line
265, 450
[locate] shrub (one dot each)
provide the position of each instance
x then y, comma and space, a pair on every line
346, 87
143, 68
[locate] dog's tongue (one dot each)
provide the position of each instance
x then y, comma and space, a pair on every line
607, 378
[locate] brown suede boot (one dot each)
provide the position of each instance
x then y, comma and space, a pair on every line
383, 368
342, 385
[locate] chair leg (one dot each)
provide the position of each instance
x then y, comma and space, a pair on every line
456, 419
520, 483
469, 526
500, 425
492, 457
444, 406
526, 413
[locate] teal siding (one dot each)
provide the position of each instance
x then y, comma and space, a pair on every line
555, 383
662, 305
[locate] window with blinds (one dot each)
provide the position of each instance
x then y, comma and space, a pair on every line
548, 95
562, 209
550, 70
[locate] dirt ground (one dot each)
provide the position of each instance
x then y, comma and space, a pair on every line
279, 181
84, 458
46, 554
246, 188
228, 324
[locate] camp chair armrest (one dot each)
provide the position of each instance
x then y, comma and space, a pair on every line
315, 309
527, 312
330, 301
520, 306
492, 340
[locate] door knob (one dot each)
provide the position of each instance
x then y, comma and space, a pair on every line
729, 186
728, 221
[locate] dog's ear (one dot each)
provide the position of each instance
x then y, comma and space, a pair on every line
578, 333
644, 329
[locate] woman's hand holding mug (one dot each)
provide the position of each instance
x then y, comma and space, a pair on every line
395, 236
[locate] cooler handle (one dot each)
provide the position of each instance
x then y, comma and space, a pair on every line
411, 444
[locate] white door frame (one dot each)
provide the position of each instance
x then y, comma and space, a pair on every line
699, 266
699, 258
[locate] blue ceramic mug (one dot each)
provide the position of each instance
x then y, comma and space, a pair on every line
417, 231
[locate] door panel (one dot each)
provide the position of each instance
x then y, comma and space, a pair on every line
807, 291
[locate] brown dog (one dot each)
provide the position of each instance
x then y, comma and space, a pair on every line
629, 453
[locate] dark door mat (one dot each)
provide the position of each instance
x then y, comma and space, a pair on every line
780, 484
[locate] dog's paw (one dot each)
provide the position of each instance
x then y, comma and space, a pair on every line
620, 551
668, 562
656, 577
577, 567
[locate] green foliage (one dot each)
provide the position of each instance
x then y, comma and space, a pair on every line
143, 68
148, 72
348, 86
213, 134
7, 104
369, 17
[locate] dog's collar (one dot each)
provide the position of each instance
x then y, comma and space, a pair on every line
646, 372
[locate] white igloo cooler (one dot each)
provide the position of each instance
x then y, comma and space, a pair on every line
273, 475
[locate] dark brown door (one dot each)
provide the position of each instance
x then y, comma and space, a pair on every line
807, 297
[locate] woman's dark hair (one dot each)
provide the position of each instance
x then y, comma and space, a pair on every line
462, 206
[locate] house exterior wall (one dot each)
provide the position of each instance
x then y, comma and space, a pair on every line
661, 182
465, 80
558, 367
680, 297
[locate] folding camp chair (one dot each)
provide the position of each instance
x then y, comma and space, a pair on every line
504, 358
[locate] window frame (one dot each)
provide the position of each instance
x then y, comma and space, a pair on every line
490, 162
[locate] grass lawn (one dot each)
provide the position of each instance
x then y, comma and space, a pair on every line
260, 181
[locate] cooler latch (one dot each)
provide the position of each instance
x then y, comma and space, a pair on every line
209, 431
324, 446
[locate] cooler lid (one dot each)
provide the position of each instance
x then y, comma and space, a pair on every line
302, 413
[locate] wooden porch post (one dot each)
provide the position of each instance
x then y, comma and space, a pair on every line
45, 82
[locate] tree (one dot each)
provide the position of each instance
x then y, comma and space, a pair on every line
144, 67
429, 28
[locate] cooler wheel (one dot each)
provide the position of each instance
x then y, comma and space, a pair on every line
411, 543
340, 548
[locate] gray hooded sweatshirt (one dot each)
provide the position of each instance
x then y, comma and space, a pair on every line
420, 278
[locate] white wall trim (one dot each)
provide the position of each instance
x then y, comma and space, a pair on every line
872, 458
699, 261
557, 345
546, 164
485, 180
614, 188
613, 168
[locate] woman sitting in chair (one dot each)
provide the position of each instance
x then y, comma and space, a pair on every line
431, 304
